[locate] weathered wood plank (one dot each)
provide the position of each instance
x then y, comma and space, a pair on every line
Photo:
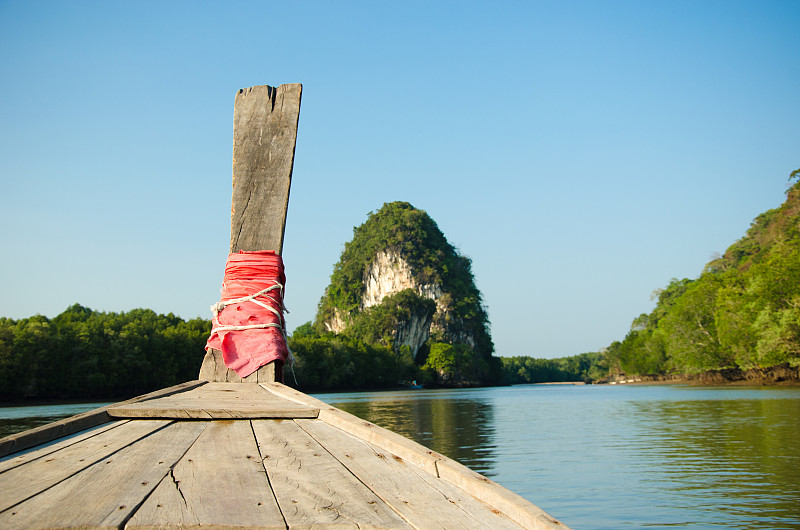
38, 474
220, 482
214, 370
211, 411
270, 373
265, 122
418, 455
23, 457
107, 492
58, 429
421, 499
217, 401
209, 368
311, 486
264, 137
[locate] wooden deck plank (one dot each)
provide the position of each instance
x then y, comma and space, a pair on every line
58, 429
211, 411
217, 401
17, 459
106, 493
39, 474
409, 450
312, 487
423, 500
219, 482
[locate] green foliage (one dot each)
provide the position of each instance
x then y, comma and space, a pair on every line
584, 367
336, 362
377, 324
455, 364
742, 312
689, 331
759, 310
305, 330
84, 353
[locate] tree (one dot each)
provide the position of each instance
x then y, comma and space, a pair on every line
689, 328
454, 363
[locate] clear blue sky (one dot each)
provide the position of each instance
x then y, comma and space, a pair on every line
581, 153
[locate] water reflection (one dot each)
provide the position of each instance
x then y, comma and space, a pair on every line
617, 457
741, 453
458, 424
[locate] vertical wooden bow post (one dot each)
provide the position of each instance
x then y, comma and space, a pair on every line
264, 136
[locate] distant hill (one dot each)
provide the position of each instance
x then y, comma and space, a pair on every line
399, 283
742, 312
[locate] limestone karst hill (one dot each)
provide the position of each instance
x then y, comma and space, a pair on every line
400, 283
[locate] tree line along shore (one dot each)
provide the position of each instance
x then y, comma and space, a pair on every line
82, 354
86, 354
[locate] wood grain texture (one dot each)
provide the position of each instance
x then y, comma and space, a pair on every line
217, 401
213, 369
264, 137
423, 500
23, 457
312, 487
418, 455
105, 494
39, 474
58, 429
220, 482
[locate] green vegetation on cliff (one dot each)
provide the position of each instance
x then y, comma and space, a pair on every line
402, 230
742, 312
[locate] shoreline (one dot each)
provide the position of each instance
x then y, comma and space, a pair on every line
781, 374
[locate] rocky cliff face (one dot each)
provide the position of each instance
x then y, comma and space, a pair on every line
388, 274
400, 252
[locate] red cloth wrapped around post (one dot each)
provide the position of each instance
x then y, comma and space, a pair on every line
248, 326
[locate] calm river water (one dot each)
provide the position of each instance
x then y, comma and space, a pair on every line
599, 457
624, 456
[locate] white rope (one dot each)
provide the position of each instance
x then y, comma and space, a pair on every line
249, 326
219, 306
